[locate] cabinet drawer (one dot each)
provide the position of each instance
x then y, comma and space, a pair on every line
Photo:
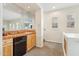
7, 41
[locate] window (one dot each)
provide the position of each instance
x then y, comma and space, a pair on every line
55, 22
70, 21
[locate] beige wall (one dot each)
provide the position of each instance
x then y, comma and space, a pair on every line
55, 35
12, 18
0, 29
39, 36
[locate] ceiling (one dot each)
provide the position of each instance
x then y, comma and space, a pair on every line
23, 7
49, 6
20, 7
18, 10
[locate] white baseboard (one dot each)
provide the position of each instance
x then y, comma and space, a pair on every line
52, 41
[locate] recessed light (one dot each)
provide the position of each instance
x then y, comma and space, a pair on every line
53, 7
28, 6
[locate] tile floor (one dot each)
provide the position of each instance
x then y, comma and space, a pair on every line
49, 49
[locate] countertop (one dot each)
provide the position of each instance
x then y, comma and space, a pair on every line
14, 34
72, 41
71, 35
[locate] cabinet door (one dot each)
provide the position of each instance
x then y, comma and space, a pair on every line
65, 46
33, 38
29, 45
8, 49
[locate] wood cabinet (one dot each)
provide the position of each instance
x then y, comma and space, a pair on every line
8, 41
8, 48
65, 46
31, 41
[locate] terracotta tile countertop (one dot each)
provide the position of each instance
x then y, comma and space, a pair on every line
13, 34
